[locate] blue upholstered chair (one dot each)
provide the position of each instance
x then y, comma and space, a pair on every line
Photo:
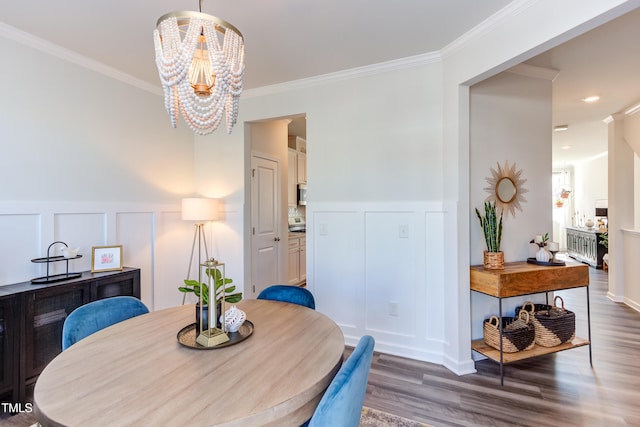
97, 315
288, 293
341, 404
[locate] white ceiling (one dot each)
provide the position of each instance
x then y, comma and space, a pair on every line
604, 62
284, 39
294, 39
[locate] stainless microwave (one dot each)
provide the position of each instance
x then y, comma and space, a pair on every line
302, 194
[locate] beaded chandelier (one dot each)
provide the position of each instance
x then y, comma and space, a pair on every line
200, 61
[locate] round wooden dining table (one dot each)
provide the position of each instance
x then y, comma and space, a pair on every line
136, 373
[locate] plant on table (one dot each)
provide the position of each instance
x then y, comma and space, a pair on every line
202, 289
491, 227
541, 241
492, 230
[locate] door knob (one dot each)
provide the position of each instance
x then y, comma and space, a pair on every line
277, 239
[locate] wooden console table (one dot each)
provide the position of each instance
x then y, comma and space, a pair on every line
522, 278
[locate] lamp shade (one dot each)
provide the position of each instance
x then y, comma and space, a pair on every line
199, 209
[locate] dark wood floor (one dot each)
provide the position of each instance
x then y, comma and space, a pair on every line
553, 390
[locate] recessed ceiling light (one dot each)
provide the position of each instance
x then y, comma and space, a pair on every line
560, 128
591, 98
566, 147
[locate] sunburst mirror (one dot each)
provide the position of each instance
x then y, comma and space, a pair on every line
505, 188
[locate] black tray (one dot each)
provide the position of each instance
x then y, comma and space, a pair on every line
55, 278
55, 258
187, 336
550, 263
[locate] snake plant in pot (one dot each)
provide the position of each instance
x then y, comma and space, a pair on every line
492, 229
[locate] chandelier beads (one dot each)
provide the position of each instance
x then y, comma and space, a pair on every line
200, 61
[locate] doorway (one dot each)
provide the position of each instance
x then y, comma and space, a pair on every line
268, 202
265, 220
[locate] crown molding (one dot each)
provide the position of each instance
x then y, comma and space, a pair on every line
368, 70
633, 109
486, 26
55, 50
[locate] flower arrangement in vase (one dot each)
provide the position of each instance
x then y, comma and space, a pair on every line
542, 255
492, 229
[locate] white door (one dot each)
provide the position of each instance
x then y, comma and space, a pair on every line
265, 220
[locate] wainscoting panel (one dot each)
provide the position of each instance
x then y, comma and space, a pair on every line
20, 243
433, 312
172, 247
377, 269
394, 263
631, 250
154, 239
134, 231
338, 262
78, 230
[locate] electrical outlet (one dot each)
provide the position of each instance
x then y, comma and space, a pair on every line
403, 231
393, 308
324, 229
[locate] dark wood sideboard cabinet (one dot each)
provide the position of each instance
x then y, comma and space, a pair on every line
31, 319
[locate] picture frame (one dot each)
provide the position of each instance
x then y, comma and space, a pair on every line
106, 258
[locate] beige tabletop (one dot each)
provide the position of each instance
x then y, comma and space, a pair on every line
136, 373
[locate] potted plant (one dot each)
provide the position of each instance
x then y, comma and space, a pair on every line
202, 290
604, 241
492, 229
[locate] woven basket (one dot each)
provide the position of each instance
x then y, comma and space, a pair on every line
553, 325
493, 260
531, 308
518, 333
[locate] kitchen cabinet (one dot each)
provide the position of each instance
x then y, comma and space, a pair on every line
297, 173
298, 146
523, 278
297, 259
292, 179
303, 259
302, 168
32, 316
583, 244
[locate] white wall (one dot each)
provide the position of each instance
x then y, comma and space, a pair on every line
636, 198
591, 184
90, 161
624, 237
510, 122
72, 134
631, 268
632, 134
375, 165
